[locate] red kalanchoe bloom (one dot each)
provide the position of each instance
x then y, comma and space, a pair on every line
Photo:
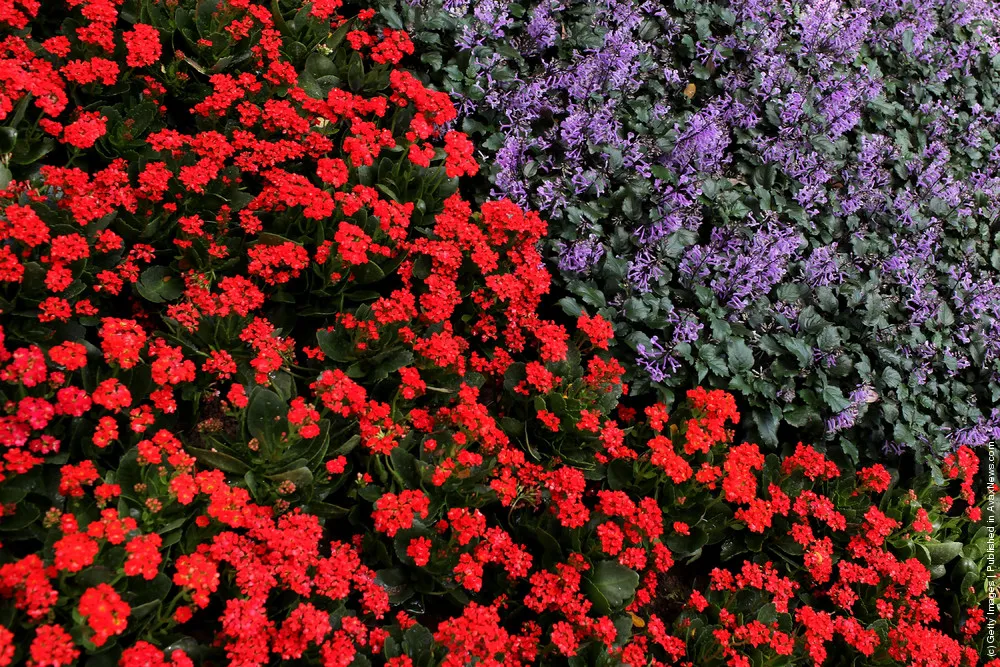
811, 462
198, 573
598, 330
549, 419
52, 647
458, 155
143, 45
922, 523
394, 513
75, 552
105, 613
85, 130
419, 549
143, 556
875, 478
6, 646
122, 341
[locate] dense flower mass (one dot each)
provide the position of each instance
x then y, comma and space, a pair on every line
790, 199
275, 391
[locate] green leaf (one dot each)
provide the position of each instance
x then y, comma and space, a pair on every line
891, 377
24, 516
319, 65
392, 364
334, 351
690, 544
810, 321
347, 446
619, 474
8, 138
356, 73
395, 583
828, 339
710, 188
265, 417
709, 354
740, 356
767, 425
596, 597
616, 582
216, 459
418, 642
301, 477
405, 465
326, 510
768, 614
801, 350
834, 398
157, 284
908, 40
943, 552
799, 415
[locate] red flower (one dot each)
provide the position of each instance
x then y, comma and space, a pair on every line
458, 155
85, 130
6, 646
143, 45
419, 549
199, 574
564, 638
875, 478
143, 556
598, 330
814, 464
52, 647
75, 552
549, 419
74, 478
144, 654
105, 613
394, 513
922, 524
122, 341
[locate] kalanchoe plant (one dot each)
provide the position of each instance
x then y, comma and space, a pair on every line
276, 392
792, 201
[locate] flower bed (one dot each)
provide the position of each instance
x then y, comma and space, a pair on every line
276, 391
792, 201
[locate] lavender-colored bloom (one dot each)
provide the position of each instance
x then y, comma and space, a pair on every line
822, 267
643, 270
740, 270
687, 329
580, 256
656, 360
986, 430
543, 27
893, 448
494, 15
702, 143
841, 421
550, 196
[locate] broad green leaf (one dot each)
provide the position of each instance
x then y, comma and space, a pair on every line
616, 582
740, 356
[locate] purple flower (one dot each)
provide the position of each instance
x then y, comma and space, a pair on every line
658, 363
543, 28
822, 267
741, 269
984, 431
580, 256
